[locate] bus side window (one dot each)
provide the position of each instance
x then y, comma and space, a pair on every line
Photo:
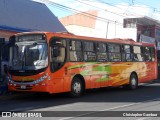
147, 54
152, 49
89, 51
75, 52
58, 54
102, 54
126, 53
137, 53
114, 52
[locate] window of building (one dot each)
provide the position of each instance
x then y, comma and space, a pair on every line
147, 32
157, 36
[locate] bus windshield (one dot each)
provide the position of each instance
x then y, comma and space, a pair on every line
28, 56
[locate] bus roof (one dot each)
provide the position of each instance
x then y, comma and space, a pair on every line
77, 37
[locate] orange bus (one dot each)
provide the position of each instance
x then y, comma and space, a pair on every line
63, 62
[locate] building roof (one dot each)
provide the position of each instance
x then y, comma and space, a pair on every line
142, 21
27, 15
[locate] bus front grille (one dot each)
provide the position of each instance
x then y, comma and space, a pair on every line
21, 81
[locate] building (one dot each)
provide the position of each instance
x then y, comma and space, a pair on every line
98, 24
26, 15
148, 29
142, 29
81, 24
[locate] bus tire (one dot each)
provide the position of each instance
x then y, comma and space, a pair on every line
133, 82
77, 87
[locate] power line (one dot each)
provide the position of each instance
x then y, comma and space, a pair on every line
102, 2
103, 9
65, 8
128, 6
78, 11
100, 8
151, 7
126, 10
132, 4
154, 9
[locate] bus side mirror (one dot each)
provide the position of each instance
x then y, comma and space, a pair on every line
55, 51
5, 69
56, 44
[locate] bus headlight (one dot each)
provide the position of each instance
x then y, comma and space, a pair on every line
10, 79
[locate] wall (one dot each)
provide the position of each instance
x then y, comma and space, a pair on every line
95, 27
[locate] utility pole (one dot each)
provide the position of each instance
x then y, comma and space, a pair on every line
115, 29
107, 29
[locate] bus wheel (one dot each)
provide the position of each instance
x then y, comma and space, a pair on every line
77, 87
133, 83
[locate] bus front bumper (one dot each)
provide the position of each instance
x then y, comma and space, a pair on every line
31, 88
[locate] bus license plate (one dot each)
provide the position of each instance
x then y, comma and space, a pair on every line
23, 87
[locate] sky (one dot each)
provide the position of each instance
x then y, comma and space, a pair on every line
150, 8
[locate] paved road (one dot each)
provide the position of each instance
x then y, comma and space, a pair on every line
94, 102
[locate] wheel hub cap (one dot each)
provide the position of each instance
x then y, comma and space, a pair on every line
77, 87
133, 81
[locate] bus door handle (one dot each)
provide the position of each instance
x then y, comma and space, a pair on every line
66, 70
